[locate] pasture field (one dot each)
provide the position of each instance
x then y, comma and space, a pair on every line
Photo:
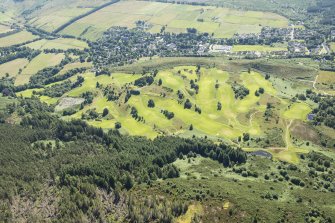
12, 67
17, 38
258, 48
223, 22
74, 65
4, 28
7, 16
60, 43
51, 17
326, 78
43, 60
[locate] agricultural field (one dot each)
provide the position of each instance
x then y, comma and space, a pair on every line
59, 43
4, 28
291, 9
325, 79
13, 67
6, 16
17, 38
223, 22
258, 48
53, 14
43, 60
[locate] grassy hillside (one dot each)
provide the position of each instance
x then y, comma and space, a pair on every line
225, 102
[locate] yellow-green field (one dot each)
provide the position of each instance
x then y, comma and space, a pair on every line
297, 111
258, 48
17, 38
28, 93
60, 43
12, 67
38, 63
237, 116
74, 65
223, 22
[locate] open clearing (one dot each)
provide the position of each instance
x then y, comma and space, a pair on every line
17, 38
12, 67
60, 43
223, 22
40, 62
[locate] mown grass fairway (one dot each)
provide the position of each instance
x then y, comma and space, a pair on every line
43, 60
60, 43
222, 22
297, 111
17, 38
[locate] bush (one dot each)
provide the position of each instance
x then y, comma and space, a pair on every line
151, 103
118, 125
